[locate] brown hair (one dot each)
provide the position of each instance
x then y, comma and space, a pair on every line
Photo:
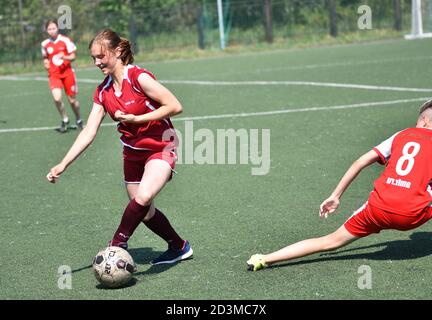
49, 22
112, 40
427, 105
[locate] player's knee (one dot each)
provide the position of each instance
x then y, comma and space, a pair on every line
72, 100
144, 198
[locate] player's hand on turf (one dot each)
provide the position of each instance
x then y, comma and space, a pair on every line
123, 117
328, 206
55, 173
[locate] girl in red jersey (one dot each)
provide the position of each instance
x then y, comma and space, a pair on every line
401, 199
58, 52
132, 96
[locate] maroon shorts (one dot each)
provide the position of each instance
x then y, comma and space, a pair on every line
368, 219
134, 162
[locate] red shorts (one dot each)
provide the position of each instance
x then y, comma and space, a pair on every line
134, 162
66, 80
369, 219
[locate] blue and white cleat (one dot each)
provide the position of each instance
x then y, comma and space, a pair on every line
173, 255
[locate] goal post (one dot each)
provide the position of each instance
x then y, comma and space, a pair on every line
417, 22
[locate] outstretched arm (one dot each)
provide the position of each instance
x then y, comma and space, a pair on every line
170, 106
84, 139
332, 203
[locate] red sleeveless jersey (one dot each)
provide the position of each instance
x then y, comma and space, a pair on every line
404, 186
156, 135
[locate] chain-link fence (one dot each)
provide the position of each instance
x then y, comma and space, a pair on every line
174, 24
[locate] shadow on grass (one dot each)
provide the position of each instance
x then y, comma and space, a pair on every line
141, 256
144, 256
131, 283
82, 268
419, 245
69, 128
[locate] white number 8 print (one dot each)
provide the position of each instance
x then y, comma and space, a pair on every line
407, 157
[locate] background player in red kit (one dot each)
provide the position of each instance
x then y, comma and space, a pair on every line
58, 52
143, 106
401, 199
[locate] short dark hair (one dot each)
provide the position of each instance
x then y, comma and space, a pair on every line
427, 105
49, 22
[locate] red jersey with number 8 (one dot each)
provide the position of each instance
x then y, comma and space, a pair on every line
405, 185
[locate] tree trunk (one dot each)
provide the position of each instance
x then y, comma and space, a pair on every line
268, 21
133, 29
397, 15
21, 21
332, 18
200, 27
23, 42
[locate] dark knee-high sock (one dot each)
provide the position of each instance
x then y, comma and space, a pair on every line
132, 216
160, 225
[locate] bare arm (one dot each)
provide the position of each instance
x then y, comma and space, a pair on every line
332, 203
84, 139
170, 106
70, 57
46, 63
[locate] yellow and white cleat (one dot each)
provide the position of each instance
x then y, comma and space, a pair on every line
256, 262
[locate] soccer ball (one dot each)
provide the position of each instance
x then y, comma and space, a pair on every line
113, 267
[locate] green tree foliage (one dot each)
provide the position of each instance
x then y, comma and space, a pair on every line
152, 23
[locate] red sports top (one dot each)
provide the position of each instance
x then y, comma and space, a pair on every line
404, 186
155, 135
51, 48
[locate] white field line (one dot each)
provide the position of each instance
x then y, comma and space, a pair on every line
252, 114
253, 83
295, 83
309, 67
23, 94
254, 71
19, 78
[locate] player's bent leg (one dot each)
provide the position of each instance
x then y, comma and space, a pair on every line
156, 174
132, 189
340, 238
57, 97
335, 240
74, 103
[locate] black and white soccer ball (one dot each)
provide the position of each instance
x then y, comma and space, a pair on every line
114, 267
